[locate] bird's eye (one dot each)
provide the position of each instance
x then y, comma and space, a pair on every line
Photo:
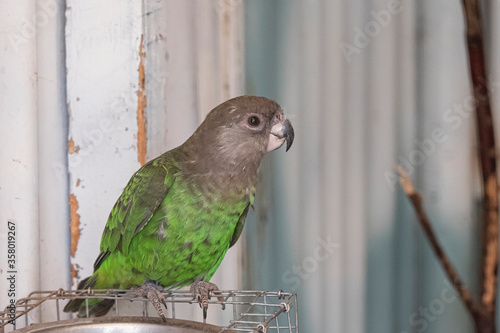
254, 121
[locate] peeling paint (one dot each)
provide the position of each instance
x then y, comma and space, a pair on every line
78, 182
74, 223
141, 107
74, 273
71, 146
72, 149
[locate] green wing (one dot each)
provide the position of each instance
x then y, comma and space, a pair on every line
239, 227
141, 197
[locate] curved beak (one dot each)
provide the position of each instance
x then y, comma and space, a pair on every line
289, 133
281, 132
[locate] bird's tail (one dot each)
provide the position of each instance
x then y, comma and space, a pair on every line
96, 307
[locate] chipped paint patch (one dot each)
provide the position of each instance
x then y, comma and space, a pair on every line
71, 146
72, 149
141, 107
74, 274
74, 223
78, 182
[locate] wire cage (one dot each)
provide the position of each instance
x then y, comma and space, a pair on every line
252, 311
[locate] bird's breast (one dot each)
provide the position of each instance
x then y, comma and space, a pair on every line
191, 231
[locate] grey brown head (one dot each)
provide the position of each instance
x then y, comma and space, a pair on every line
238, 133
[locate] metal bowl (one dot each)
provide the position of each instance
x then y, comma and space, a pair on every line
122, 325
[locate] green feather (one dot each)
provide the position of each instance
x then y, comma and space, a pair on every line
140, 198
239, 226
169, 227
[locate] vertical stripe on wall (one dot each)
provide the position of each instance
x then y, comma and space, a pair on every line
53, 211
103, 59
19, 149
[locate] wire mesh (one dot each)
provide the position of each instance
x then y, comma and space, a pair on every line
252, 311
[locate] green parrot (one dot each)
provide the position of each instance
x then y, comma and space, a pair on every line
182, 211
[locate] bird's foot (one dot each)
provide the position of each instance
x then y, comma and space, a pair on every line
201, 293
153, 292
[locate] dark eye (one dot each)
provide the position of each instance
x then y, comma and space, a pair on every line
253, 121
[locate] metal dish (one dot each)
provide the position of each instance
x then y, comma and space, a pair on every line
121, 325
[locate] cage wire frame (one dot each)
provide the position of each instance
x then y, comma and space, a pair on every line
252, 311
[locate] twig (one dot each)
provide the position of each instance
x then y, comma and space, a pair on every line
487, 156
483, 312
416, 200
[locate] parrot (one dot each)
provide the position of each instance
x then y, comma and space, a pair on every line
180, 213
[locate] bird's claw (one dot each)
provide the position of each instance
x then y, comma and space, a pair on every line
202, 291
154, 293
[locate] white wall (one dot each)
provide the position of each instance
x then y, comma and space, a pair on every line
33, 174
90, 90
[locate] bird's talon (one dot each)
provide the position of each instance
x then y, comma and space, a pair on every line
203, 293
153, 292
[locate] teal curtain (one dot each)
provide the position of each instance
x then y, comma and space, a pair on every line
366, 84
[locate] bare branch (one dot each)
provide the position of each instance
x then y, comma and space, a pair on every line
487, 157
417, 202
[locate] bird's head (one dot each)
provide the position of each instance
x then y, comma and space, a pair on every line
238, 132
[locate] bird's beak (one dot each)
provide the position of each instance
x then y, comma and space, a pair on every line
289, 133
281, 132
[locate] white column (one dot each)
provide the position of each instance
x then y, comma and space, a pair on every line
103, 59
19, 148
52, 151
